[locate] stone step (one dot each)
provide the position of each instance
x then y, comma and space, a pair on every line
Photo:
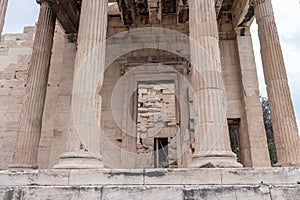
180, 176
148, 184
153, 192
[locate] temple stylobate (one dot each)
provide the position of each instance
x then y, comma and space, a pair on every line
136, 84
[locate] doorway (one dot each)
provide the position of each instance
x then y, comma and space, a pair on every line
161, 156
157, 124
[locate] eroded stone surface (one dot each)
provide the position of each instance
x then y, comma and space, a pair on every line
153, 192
187, 184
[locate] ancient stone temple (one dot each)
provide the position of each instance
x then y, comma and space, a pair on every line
144, 99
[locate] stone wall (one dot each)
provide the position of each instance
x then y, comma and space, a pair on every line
111, 143
15, 53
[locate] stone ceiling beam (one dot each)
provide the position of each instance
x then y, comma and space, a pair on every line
68, 15
242, 13
127, 9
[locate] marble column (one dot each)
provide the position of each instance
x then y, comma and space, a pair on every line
3, 7
212, 144
83, 148
282, 110
29, 132
254, 147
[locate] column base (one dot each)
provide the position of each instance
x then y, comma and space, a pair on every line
288, 164
22, 166
79, 160
217, 160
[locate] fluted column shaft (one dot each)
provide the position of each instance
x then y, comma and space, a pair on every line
212, 145
82, 149
3, 8
29, 132
282, 111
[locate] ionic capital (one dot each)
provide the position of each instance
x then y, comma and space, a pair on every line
256, 2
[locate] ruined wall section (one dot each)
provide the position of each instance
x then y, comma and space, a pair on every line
15, 54
156, 119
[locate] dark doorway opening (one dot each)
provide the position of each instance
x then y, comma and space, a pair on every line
161, 159
234, 126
